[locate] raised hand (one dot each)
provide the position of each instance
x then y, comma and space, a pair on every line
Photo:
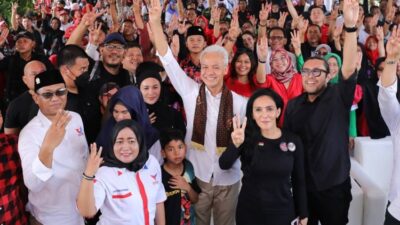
393, 45
379, 33
56, 132
253, 20
137, 6
152, 117
94, 33
238, 134
262, 48
337, 32
296, 41
302, 25
4, 35
264, 13
94, 160
282, 19
350, 12
175, 45
14, 6
215, 13
234, 30
155, 11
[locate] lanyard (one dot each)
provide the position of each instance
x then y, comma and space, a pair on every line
144, 199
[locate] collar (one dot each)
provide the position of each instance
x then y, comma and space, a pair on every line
208, 93
45, 122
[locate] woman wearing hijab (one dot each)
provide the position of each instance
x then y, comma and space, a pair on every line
284, 79
128, 103
335, 64
151, 86
128, 188
273, 185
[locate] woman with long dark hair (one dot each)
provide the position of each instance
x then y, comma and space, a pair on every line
273, 184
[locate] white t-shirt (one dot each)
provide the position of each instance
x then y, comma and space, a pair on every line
118, 195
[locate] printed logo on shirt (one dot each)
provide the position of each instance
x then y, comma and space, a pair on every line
154, 177
119, 173
79, 131
121, 193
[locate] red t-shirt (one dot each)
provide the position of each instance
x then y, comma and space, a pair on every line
294, 89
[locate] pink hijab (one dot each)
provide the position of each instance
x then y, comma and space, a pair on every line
287, 75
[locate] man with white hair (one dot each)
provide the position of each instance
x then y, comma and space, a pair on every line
209, 110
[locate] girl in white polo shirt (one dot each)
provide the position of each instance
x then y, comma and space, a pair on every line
128, 187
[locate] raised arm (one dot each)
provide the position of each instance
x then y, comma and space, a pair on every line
262, 54
388, 76
14, 22
160, 42
381, 42
291, 9
233, 33
114, 13
86, 21
350, 13
86, 202
263, 18
137, 8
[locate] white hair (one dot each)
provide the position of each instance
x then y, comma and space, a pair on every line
216, 49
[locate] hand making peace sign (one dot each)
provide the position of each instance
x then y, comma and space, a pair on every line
237, 134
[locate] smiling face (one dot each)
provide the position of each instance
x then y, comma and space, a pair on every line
126, 146
279, 62
213, 70
314, 85
243, 65
132, 59
151, 89
372, 44
333, 66
248, 41
265, 113
112, 53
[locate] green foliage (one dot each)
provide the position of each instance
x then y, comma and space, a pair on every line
24, 6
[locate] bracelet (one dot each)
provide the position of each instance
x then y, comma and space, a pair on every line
86, 177
231, 39
262, 25
390, 62
260, 61
350, 29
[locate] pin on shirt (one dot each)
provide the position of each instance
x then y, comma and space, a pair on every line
261, 143
291, 146
283, 146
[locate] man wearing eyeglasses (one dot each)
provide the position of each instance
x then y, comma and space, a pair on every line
320, 116
53, 151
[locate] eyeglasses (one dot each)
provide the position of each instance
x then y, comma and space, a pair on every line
49, 95
321, 53
114, 47
281, 59
278, 38
313, 72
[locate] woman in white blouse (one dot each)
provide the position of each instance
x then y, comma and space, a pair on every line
127, 188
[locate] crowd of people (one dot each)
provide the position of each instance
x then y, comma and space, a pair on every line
202, 112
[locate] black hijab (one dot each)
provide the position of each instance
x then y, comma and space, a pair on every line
111, 160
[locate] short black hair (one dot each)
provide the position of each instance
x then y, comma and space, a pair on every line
168, 135
276, 28
326, 65
68, 54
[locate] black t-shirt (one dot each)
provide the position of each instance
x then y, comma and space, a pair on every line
323, 125
20, 111
88, 87
178, 208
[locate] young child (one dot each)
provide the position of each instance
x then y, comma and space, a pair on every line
178, 179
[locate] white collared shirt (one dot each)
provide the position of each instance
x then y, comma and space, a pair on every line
390, 110
205, 162
53, 191
117, 188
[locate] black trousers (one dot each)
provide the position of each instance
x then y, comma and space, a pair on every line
331, 206
389, 219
